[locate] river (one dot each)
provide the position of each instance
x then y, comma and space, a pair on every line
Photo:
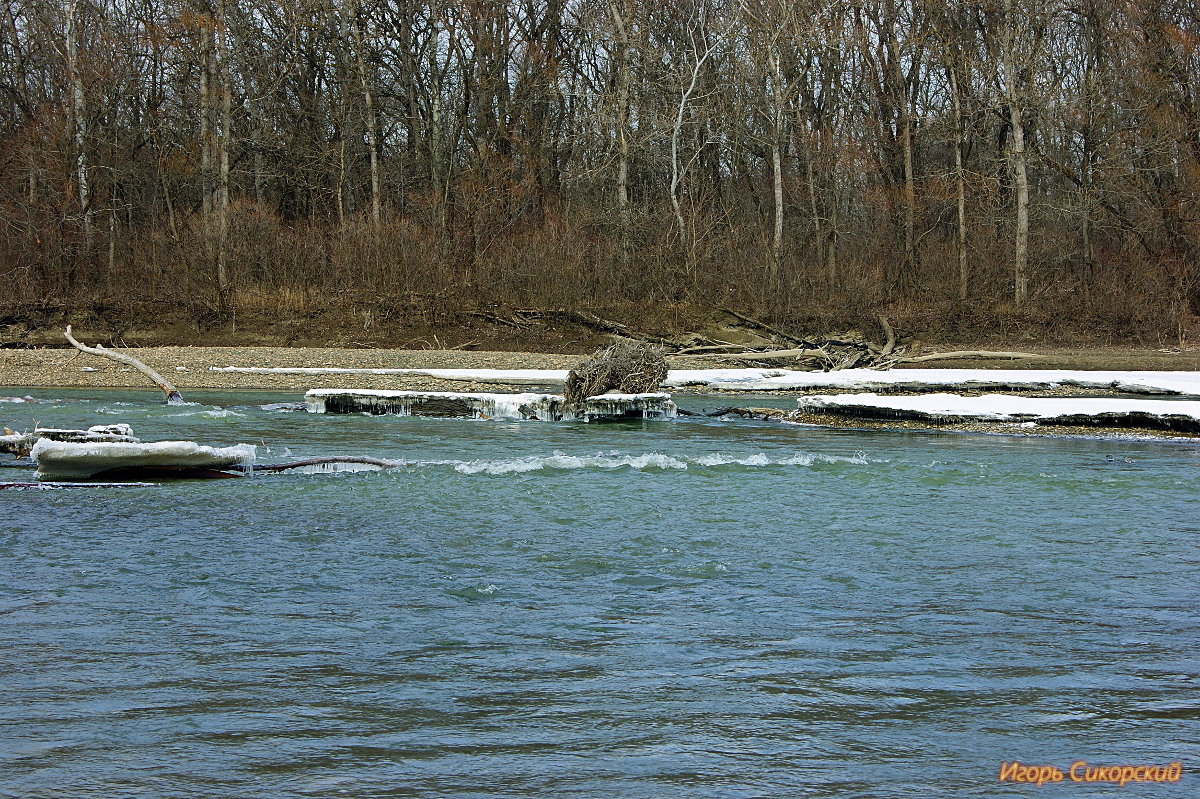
697, 608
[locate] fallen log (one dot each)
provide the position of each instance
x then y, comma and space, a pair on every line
762, 326
963, 354
589, 319
173, 395
802, 352
713, 349
279, 467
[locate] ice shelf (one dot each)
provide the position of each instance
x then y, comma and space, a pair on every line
1179, 415
539, 407
65, 459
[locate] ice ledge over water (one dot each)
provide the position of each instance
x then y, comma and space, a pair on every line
65, 459
935, 379
540, 407
1100, 412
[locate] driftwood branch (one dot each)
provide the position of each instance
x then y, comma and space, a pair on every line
589, 319
761, 325
977, 354
279, 467
803, 352
713, 349
891, 337
173, 396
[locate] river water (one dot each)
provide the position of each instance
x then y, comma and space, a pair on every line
699, 608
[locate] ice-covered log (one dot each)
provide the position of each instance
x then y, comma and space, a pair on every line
539, 407
70, 460
95, 434
948, 408
16, 443
20, 443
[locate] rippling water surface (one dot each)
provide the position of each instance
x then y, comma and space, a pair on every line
703, 608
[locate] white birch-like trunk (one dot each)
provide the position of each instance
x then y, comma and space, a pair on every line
622, 20
79, 121
960, 183
1017, 160
777, 163
224, 132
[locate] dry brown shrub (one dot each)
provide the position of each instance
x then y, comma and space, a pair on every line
630, 367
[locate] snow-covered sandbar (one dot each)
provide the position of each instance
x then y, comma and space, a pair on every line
1180, 415
1137, 382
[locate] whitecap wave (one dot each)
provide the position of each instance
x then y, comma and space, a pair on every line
561, 461
211, 413
649, 461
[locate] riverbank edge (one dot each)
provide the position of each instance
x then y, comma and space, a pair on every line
189, 368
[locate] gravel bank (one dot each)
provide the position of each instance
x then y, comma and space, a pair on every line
188, 367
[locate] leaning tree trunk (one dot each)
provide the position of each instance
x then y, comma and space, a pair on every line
173, 395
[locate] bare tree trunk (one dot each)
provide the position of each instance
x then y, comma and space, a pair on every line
777, 235
678, 169
369, 112
1018, 160
960, 182
224, 133
173, 396
622, 18
79, 121
206, 134
777, 163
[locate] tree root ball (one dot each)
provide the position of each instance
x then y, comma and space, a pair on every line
628, 367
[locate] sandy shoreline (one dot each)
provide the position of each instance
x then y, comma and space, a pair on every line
189, 367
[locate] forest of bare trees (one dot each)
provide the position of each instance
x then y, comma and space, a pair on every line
973, 164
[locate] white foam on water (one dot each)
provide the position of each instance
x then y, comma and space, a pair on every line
722, 460
799, 459
641, 462
211, 413
561, 461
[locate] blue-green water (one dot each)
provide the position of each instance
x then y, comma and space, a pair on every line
703, 608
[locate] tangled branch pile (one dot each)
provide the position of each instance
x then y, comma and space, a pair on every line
629, 367
834, 351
